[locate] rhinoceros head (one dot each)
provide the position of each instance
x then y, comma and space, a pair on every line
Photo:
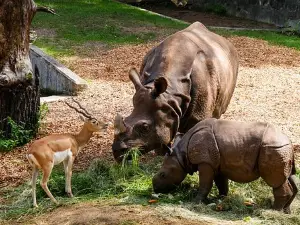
170, 175
151, 124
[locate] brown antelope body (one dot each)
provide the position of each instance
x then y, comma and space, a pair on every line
51, 150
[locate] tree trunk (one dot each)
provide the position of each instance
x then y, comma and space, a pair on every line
19, 84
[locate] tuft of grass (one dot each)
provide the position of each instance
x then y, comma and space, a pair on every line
132, 156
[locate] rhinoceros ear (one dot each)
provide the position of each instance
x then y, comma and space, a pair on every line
135, 78
160, 86
167, 149
177, 138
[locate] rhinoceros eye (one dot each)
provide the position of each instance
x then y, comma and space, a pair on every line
162, 175
142, 128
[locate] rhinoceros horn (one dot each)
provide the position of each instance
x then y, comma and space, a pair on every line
135, 78
119, 125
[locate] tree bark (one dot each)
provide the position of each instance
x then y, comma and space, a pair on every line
19, 83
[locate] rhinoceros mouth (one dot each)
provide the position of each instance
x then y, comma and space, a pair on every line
119, 154
164, 190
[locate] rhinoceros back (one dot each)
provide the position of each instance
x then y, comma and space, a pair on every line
201, 68
229, 146
239, 145
241, 151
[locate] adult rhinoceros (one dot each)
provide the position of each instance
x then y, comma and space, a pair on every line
188, 77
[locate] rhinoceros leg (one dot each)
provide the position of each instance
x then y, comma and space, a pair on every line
206, 178
293, 181
282, 196
222, 184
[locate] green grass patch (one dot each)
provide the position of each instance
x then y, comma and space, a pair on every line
272, 37
132, 184
112, 23
105, 21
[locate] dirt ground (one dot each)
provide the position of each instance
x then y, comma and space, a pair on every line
267, 90
109, 213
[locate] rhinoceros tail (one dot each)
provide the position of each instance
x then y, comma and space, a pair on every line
293, 166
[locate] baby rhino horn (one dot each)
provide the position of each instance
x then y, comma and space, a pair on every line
119, 125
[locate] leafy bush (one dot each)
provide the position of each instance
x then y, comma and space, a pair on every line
19, 136
216, 8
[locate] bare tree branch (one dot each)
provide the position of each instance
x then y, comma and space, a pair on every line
45, 9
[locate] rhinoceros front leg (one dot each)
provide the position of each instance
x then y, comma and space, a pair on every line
282, 196
206, 178
222, 184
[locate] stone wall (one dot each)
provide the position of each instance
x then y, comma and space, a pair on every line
55, 78
279, 12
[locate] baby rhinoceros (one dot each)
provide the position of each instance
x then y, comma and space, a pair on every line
220, 150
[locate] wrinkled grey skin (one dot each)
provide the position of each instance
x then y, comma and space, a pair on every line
220, 150
188, 77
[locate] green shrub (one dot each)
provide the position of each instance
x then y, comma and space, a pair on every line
216, 8
19, 136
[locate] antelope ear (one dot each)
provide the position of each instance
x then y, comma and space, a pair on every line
82, 118
160, 86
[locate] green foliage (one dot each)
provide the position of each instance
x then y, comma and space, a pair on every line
216, 8
44, 109
29, 76
18, 136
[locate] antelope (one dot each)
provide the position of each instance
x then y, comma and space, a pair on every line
51, 150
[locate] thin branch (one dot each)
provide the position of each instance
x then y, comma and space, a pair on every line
45, 9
